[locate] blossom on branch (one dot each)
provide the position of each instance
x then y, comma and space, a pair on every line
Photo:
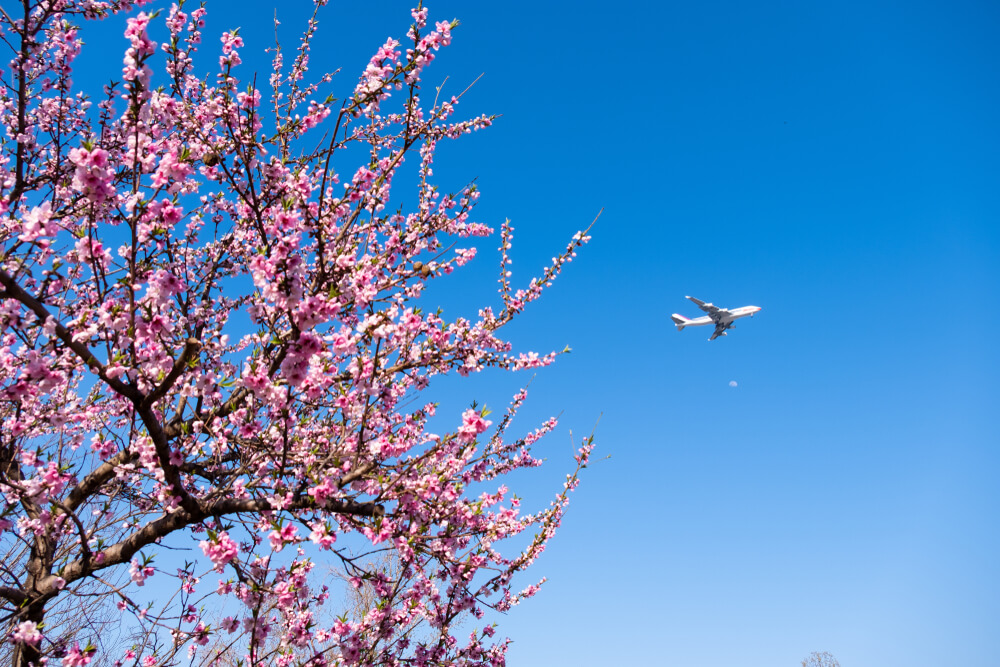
214, 335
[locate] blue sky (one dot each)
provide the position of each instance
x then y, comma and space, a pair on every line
834, 163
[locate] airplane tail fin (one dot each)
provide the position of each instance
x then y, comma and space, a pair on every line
680, 321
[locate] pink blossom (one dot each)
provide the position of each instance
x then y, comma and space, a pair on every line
279, 538
230, 41
473, 424
92, 177
139, 573
37, 223
321, 536
248, 100
76, 657
171, 168
380, 68
142, 47
221, 550
27, 632
296, 363
363, 178
321, 492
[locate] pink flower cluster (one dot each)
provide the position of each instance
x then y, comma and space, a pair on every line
230, 42
139, 573
473, 424
295, 366
171, 168
220, 550
93, 176
372, 87
26, 632
47, 483
422, 55
77, 657
37, 223
286, 534
142, 47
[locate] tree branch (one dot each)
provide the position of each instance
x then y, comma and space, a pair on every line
92, 482
16, 292
13, 595
191, 347
169, 523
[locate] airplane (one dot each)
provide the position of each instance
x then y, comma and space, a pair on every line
720, 317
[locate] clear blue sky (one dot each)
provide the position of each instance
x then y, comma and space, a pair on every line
836, 164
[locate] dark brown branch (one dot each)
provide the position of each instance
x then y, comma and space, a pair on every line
96, 479
80, 529
162, 445
169, 523
13, 595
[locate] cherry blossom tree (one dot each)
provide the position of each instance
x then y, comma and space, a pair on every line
213, 350
820, 659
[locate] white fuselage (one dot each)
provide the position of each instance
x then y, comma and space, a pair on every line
726, 317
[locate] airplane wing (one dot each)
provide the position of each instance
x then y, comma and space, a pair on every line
713, 311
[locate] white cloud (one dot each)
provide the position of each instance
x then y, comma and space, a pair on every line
732, 383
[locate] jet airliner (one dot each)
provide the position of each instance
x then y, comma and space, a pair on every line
722, 318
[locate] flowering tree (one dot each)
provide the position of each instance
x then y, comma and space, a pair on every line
212, 345
817, 659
